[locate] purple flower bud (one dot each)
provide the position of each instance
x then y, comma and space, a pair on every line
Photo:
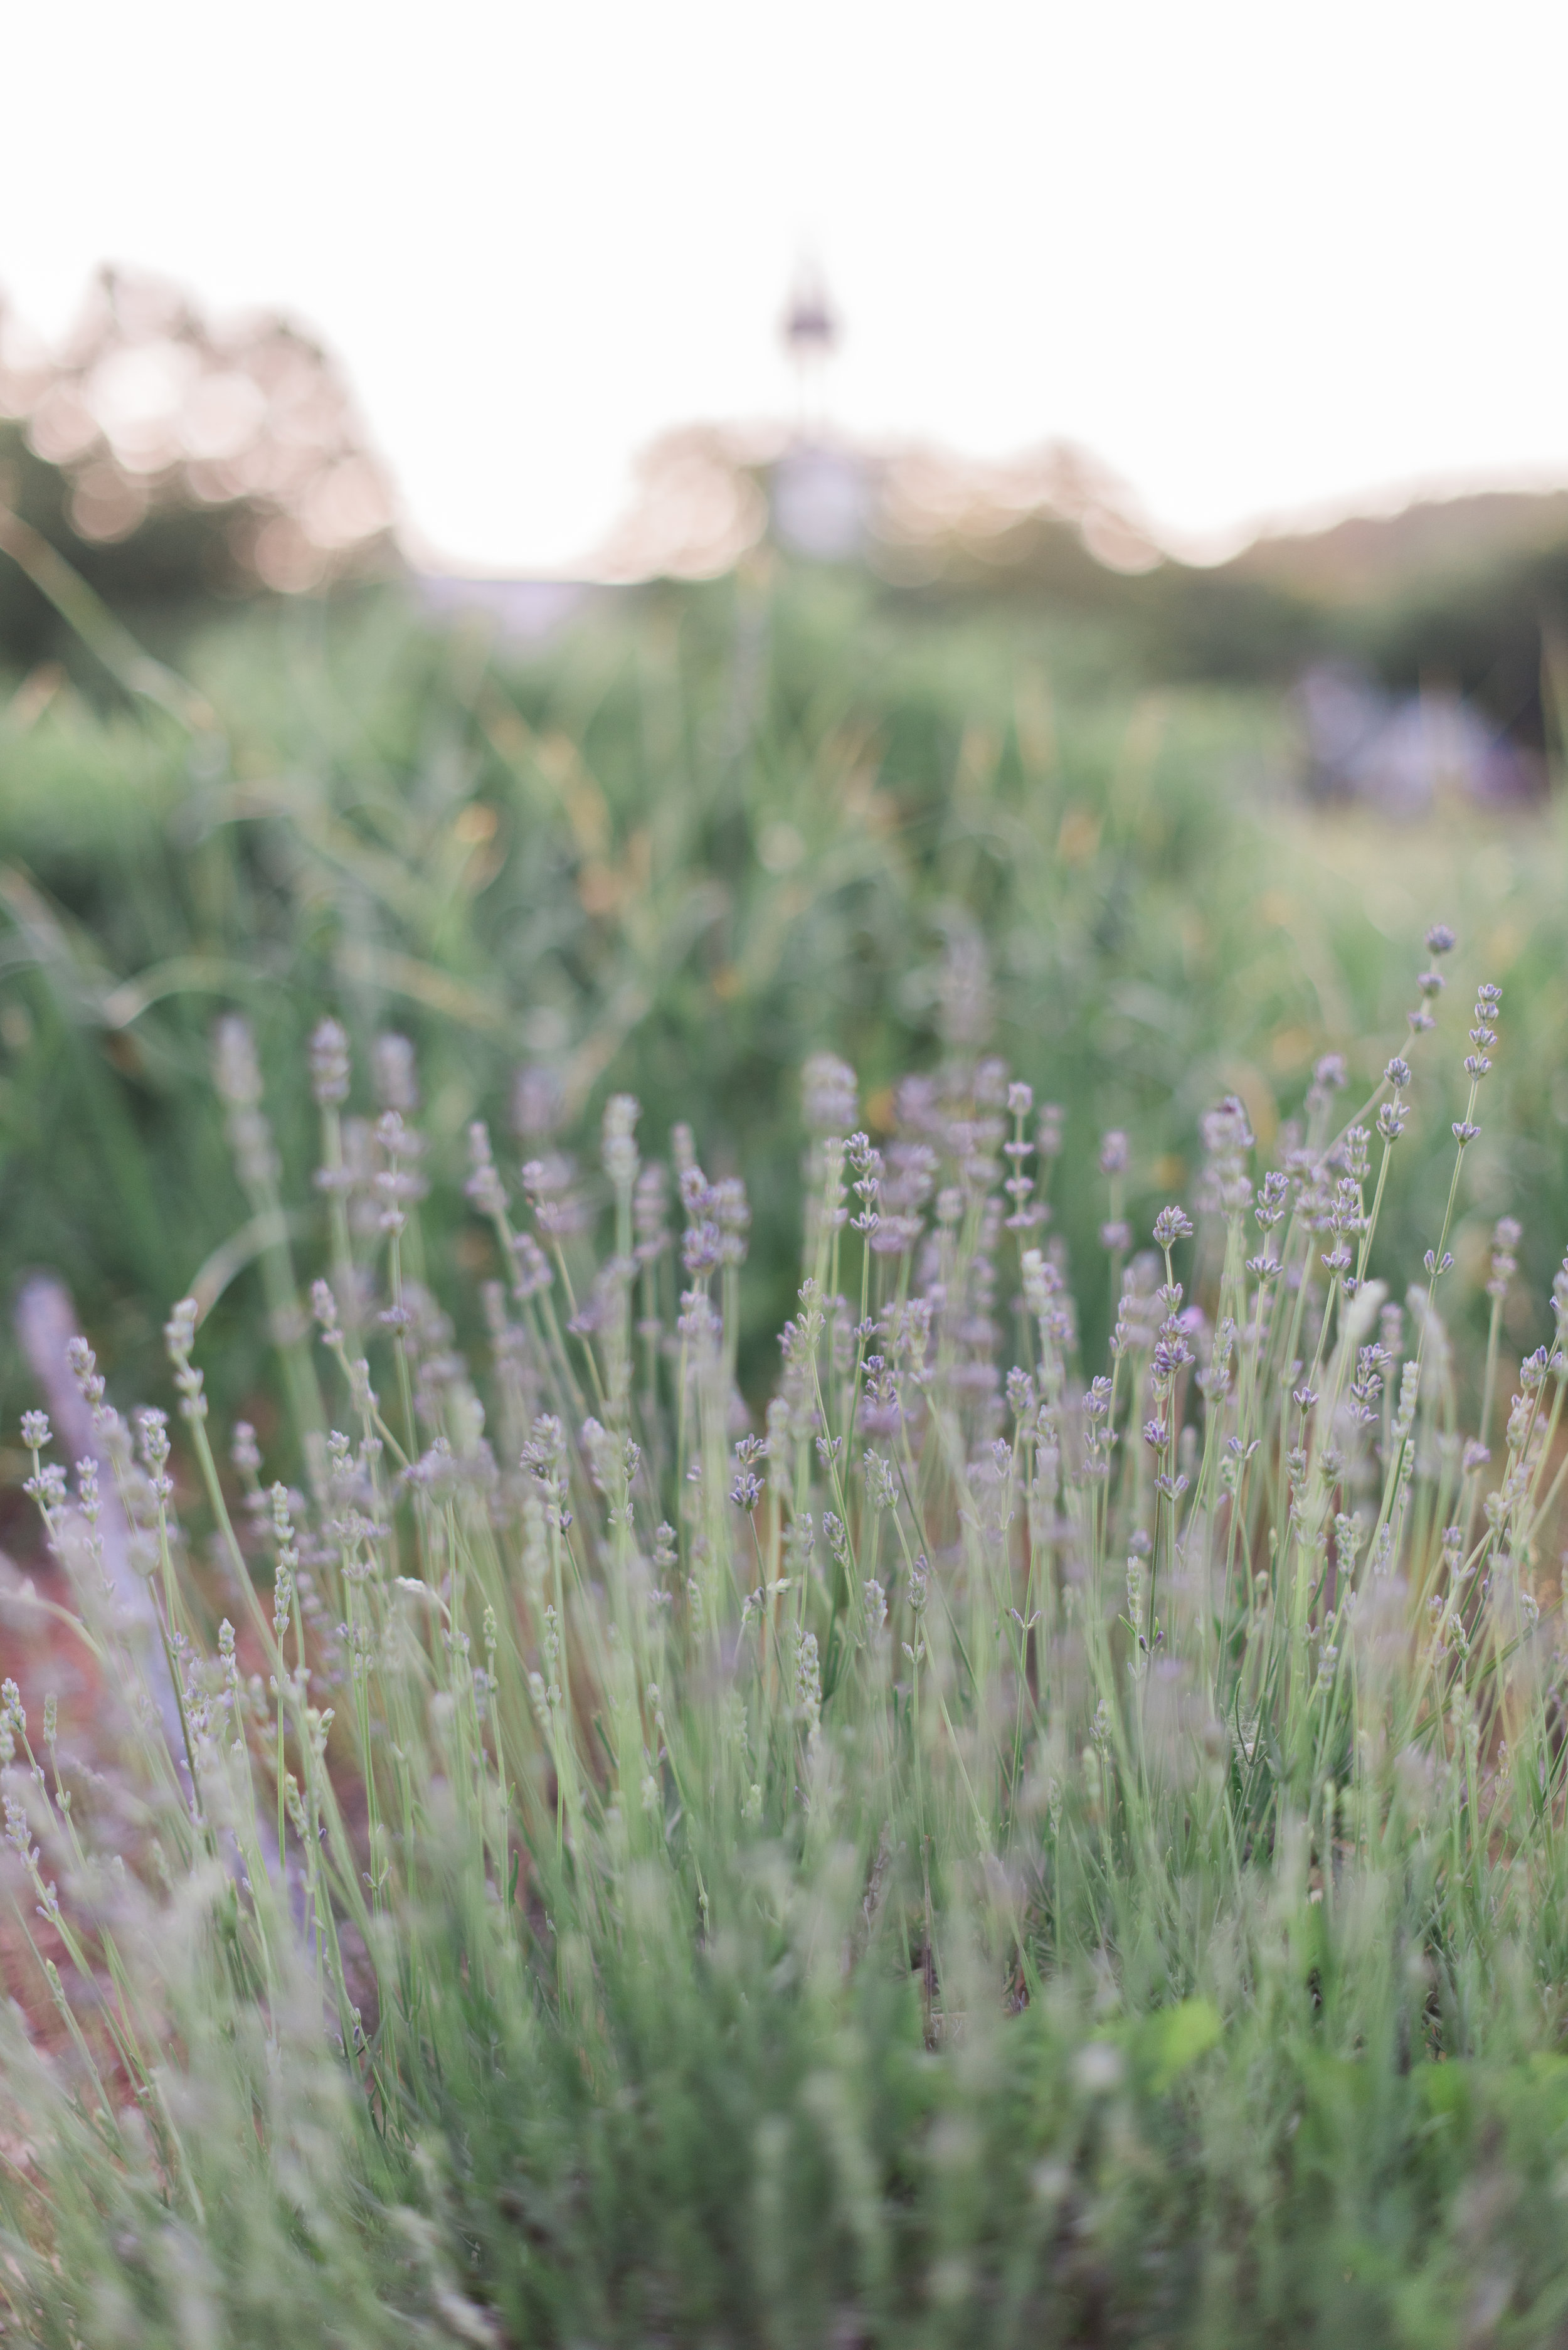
538, 1103
329, 1063
396, 1077
828, 1091
699, 1248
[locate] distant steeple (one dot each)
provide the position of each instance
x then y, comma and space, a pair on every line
811, 332
821, 490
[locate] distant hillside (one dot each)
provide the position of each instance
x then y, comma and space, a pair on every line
1369, 558
1469, 593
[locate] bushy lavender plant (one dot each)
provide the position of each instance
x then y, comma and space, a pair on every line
595, 1861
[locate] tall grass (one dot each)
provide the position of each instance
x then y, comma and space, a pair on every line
1003, 1847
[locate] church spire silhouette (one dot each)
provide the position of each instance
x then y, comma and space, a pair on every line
812, 329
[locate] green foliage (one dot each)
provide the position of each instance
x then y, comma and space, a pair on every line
990, 1864
703, 834
566, 1909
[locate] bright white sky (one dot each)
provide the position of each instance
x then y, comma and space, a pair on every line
1258, 254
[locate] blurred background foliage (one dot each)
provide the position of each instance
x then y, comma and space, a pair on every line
178, 465
1471, 592
1004, 778
701, 831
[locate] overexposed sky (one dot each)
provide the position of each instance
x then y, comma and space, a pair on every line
1257, 254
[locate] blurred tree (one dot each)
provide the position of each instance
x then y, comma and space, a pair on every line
170, 461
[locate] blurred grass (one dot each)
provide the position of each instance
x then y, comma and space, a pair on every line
701, 832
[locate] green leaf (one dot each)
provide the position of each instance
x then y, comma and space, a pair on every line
1175, 2038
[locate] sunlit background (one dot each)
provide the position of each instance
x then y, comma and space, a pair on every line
1257, 260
